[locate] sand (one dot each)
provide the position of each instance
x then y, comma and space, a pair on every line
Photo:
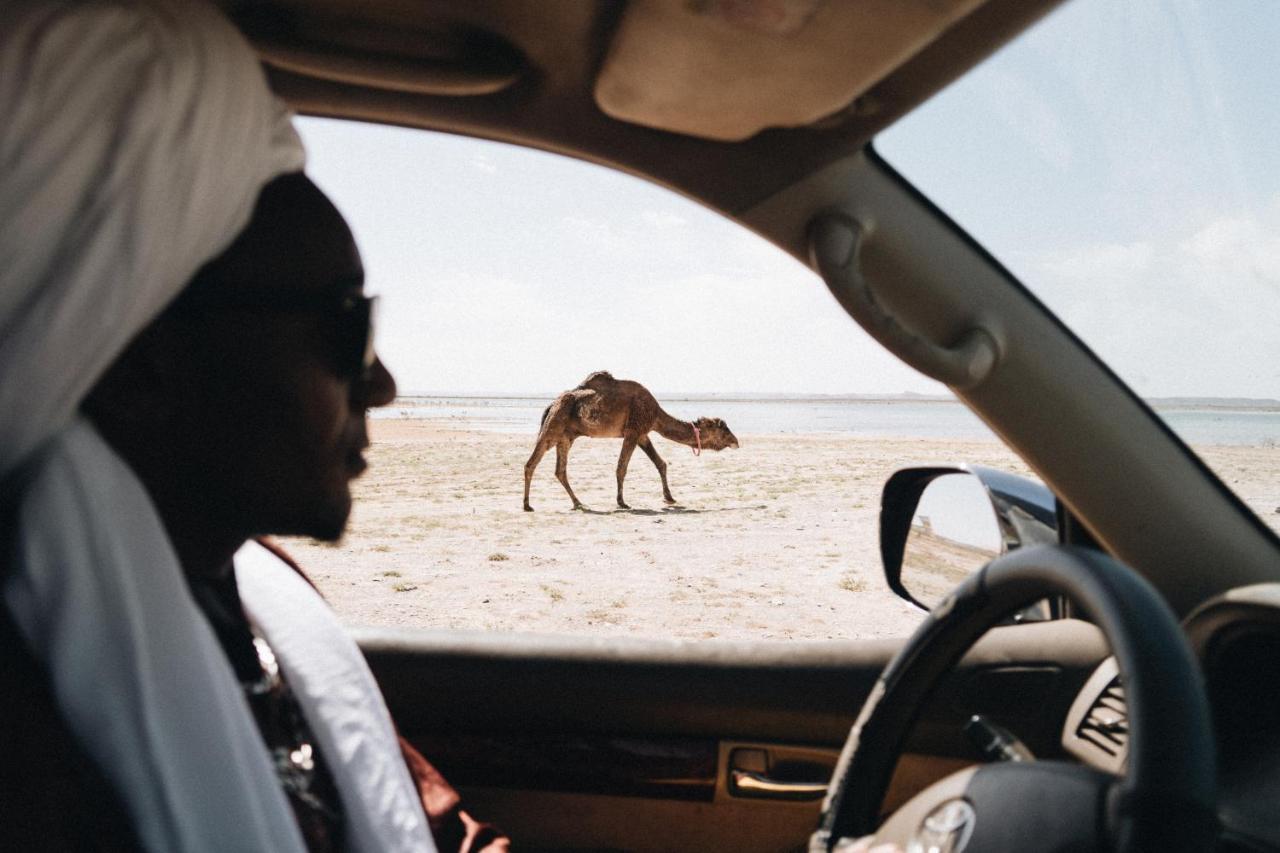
777, 540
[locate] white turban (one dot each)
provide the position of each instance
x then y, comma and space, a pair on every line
136, 137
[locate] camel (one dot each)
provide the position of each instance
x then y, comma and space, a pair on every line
604, 407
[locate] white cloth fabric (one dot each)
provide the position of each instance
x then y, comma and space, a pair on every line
338, 694
137, 135
135, 667
141, 678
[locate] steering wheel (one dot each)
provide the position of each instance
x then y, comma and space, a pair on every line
1164, 802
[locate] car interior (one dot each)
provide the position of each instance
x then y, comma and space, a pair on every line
766, 112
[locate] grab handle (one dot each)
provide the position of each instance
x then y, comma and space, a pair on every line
835, 243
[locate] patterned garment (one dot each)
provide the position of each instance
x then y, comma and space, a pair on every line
300, 768
453, 828
57, 799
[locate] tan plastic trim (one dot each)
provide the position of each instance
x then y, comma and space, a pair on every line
459, 78
1078, 746
835, 243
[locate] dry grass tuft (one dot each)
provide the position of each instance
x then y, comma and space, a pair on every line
852, 584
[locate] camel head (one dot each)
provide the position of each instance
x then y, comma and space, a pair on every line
715, 434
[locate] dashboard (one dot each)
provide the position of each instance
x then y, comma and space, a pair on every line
1236, 637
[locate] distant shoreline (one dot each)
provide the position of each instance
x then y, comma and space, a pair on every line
1233, 404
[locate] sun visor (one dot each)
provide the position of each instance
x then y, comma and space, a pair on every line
727, 69
442, 59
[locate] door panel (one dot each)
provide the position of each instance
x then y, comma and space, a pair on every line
571, 743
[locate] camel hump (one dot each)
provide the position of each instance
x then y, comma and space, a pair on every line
564, 408
599, 378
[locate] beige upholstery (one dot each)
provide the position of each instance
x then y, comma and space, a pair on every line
726, 71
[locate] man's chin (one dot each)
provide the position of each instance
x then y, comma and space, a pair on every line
331, 530
324, 524
329, 534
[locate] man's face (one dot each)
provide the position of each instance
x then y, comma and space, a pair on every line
272, 413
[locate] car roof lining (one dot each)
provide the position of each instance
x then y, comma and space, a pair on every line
528, 73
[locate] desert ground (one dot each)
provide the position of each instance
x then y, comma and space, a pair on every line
776, 540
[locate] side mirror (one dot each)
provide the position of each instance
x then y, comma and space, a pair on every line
938, 525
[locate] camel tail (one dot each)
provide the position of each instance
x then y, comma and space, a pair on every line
545, 413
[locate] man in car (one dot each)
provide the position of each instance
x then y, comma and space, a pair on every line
185, 365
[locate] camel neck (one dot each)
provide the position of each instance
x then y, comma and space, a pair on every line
674, 429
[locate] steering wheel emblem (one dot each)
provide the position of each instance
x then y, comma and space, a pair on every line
946, 829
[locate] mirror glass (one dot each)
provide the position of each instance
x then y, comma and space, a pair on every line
953, 533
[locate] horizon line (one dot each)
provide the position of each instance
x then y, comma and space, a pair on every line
756, 396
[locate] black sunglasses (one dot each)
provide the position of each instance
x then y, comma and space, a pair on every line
353, 312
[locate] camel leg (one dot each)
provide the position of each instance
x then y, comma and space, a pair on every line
531, 466
628, 447
562, 470
652, 452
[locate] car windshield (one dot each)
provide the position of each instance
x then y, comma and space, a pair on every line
1120, 160
508, 275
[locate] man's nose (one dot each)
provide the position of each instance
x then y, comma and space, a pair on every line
376, 388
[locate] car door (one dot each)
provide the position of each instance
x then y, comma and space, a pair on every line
635, 745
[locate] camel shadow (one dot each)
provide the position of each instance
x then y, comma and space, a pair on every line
670, 510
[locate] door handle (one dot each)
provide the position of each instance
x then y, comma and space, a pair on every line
744, 783
773, 772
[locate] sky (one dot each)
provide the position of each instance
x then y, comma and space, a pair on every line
1119, 159
503, 269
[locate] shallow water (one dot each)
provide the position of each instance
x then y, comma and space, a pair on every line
870, 418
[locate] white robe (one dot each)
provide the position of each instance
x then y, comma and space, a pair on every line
137, 136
